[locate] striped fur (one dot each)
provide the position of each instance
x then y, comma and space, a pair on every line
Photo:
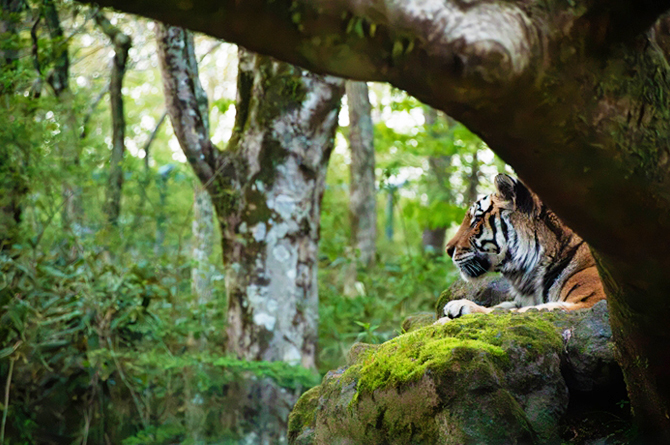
514, 233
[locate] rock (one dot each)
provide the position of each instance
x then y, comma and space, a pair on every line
588, 361
497, 378
488, 291
357, 349
414, 322
302, 419
478, 379
589, 358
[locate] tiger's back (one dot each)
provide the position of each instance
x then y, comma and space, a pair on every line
513, 232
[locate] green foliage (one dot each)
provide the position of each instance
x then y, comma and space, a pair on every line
435, 214
100, 336
390, 292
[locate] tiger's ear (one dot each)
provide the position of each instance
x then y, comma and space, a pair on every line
511, 189
505, 186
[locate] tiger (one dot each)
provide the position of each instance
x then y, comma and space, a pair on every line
512, 232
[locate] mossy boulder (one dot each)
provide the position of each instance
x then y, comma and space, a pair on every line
450, 384
502, 378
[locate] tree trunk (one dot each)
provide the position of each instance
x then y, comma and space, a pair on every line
59, 76
121, 42
13, 185
203, 234
362, 192
432, 238
269, 217
473, 179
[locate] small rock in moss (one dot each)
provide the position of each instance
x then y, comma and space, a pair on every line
416, 321
357, 350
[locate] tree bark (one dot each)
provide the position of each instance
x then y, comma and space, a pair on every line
573, 95
13, 185
203, 234
121, 42
59, 76
269, 217
432, 238
473, 179
362, 192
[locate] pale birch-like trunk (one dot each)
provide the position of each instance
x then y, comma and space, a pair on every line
267, 189
362, 192
203, 234
286, 123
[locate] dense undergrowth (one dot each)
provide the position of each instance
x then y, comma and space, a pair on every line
98, 350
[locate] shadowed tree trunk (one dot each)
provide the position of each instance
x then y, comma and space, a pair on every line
432, 238
572, 94
362, 193
13, 157
266, 188
121, 42
473, 179
59, 76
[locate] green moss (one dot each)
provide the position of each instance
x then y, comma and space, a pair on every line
532, 331
283, 89
408, 357
256, 209
445, 297
304, 413
357, 350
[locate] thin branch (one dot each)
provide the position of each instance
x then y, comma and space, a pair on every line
91, 110
152, 136
6, 406
35, 44
138, 405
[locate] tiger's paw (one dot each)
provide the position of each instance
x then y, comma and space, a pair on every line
457, 308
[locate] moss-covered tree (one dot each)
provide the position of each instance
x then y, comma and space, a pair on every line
266, 187
574, 95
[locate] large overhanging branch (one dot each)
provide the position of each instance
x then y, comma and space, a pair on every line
494, 65
481, 42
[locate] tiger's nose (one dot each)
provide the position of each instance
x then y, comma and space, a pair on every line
450, 250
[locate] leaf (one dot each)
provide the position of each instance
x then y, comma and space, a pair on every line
6, 352
358, 28
53, 271
397, 49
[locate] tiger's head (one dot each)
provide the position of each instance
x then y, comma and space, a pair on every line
492, 228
